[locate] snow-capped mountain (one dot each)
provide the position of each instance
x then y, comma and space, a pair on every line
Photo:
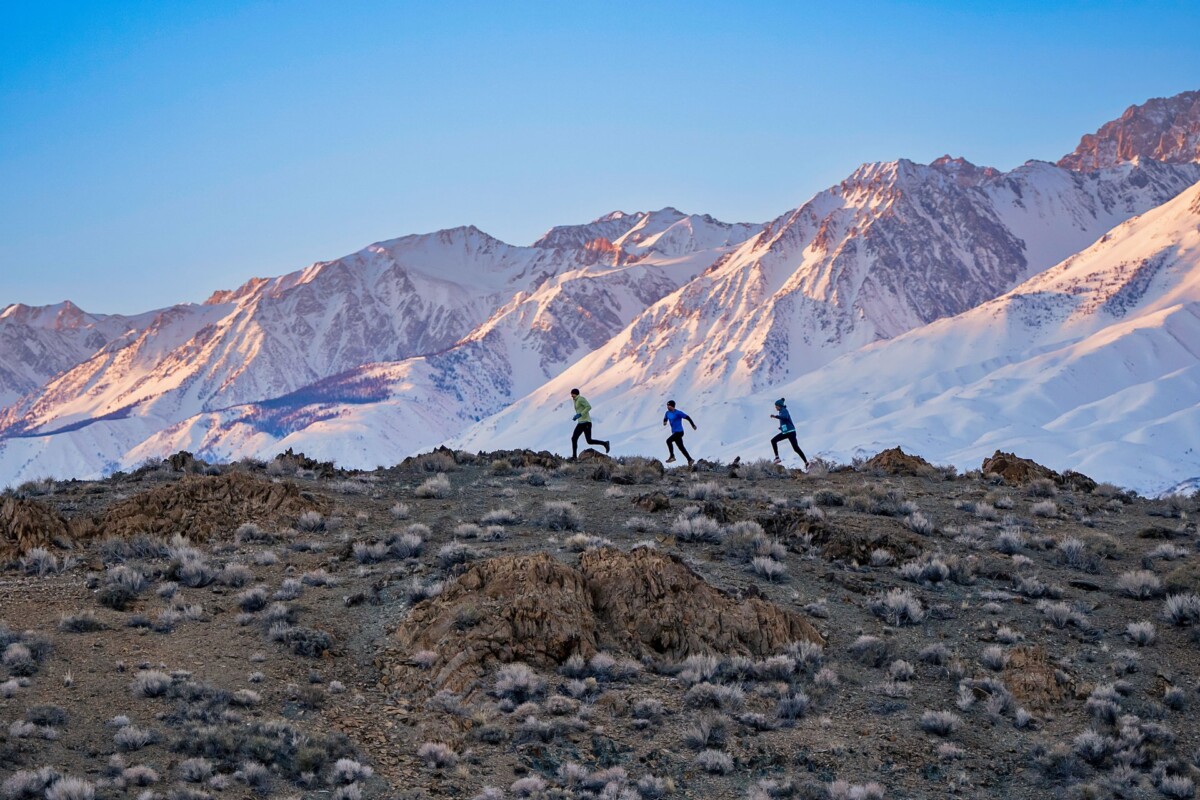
38, 342
1092, 365
492, 321
891, 248
371, 414
1165, 129
458, 336
894, 247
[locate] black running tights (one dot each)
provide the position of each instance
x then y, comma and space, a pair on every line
677, 439
791, 437
583, 429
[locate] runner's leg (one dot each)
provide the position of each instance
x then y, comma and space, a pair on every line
579, 429
796, 447
683, 449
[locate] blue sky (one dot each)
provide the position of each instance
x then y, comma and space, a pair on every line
151, 152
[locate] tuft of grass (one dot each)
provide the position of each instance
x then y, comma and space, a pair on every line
898, 607
696, 528
919, 523
131, 738
150, 683
1061, 615
371, 553
994, 658
80, 622
881, 557
1182, 609
715, 762
940, 723
310, 522
437, 755
517, 682
1142, 633
122, 585
254, 599
792, 706
453, 554
500, 516
769, 568
1046, 508
435, 488
38, 561
580, 542
235, 576
405, 545
347, 770
1140, 584
927, 570
561, 516
69, 788
194, 770
710, 695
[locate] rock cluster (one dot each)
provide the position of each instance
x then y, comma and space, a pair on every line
540, 611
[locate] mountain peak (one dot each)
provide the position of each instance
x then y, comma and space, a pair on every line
1163, 128
58, 316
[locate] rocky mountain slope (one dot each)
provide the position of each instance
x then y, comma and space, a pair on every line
1165, 129
509, 626
39, 342
734, 337
486, 322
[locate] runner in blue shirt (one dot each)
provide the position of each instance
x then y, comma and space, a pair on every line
786, 431
676, 418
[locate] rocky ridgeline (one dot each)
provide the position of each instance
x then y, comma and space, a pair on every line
510, 625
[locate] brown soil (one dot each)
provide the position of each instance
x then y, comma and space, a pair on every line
202, 507
1031, 678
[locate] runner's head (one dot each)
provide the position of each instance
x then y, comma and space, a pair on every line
670, 404
779, 403
574, 393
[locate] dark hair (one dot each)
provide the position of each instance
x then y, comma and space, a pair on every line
670, 402
574, 391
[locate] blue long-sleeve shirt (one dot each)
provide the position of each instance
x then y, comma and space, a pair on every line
676, 418
785, 420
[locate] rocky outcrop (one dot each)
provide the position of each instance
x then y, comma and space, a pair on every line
537, 610
1164, 129
26, 524
651, 604
897, 462
203, 507
1015, 469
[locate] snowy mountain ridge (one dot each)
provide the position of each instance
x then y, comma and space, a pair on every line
456, 335
1093, 364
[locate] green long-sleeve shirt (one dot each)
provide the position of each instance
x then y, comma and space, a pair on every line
582, 407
